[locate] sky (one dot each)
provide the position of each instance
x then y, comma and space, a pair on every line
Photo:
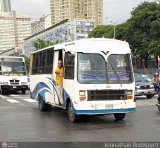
117, 11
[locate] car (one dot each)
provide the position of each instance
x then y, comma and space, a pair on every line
144, 87
148, 77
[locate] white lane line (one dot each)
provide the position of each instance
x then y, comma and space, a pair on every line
12, 101
30, 100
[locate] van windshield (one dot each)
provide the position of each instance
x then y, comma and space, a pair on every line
12, 68
93, 69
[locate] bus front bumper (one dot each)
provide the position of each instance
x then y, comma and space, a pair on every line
102, 108
104, 112
14, 88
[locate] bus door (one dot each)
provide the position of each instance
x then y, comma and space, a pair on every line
58, 55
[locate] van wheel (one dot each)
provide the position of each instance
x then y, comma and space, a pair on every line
23, 92
43, 106
71, 116
150, 96
159, 108
119, 116
3, 92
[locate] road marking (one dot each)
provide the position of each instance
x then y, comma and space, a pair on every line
30, 100
12, 101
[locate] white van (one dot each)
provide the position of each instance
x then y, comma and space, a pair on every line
98, 78
13, 74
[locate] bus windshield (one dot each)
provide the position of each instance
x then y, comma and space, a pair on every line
12, 68
93, 69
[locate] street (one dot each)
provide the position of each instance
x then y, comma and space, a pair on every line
21, 121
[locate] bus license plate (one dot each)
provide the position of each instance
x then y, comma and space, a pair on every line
109, 106
14, 86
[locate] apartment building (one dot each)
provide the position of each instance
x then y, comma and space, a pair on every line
43, 23
77, 9
64, 31
14, 28
5, 6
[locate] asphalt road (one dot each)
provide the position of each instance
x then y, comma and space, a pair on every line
21, 121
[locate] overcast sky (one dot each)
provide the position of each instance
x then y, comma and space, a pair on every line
116, 10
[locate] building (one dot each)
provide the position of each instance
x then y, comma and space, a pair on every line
77, 9
41, 24
5, 6
64, 31
14, 28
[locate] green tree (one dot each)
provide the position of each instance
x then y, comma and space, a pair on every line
102, 31
40, 44
143, 32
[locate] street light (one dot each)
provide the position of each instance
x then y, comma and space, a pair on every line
114, 24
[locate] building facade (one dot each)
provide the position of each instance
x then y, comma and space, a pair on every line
5, 6
14, 28
64, 31
41, 24
77, 9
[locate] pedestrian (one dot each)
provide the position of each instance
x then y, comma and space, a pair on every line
59, 81
155, 80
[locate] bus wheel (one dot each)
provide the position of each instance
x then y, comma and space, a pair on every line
71, 116
119, 116
43, 106
23, 92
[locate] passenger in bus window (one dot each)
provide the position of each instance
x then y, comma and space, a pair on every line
59, 81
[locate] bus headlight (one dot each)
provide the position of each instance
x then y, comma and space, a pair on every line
82, 95
5, 83
23, 83
129, 94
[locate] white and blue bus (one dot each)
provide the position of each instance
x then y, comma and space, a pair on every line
98, 78
13, 74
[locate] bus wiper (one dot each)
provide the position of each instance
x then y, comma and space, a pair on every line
119, 80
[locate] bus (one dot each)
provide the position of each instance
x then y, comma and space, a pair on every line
98, 78
13, 74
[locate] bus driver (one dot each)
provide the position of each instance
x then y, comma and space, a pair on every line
59, 81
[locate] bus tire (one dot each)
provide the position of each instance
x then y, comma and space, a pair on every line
119, 116
71, 116
23, 92
43, 106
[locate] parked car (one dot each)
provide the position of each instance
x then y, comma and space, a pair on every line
144, 87
148, 77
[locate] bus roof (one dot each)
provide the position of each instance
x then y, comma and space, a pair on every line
91, 45
12, 57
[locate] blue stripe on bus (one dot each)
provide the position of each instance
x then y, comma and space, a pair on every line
43, 85
98, 112
39, 86
53, 83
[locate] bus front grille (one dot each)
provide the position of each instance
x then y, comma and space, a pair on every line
14, 82
102, 95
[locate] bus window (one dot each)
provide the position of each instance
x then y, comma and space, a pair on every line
69, 66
